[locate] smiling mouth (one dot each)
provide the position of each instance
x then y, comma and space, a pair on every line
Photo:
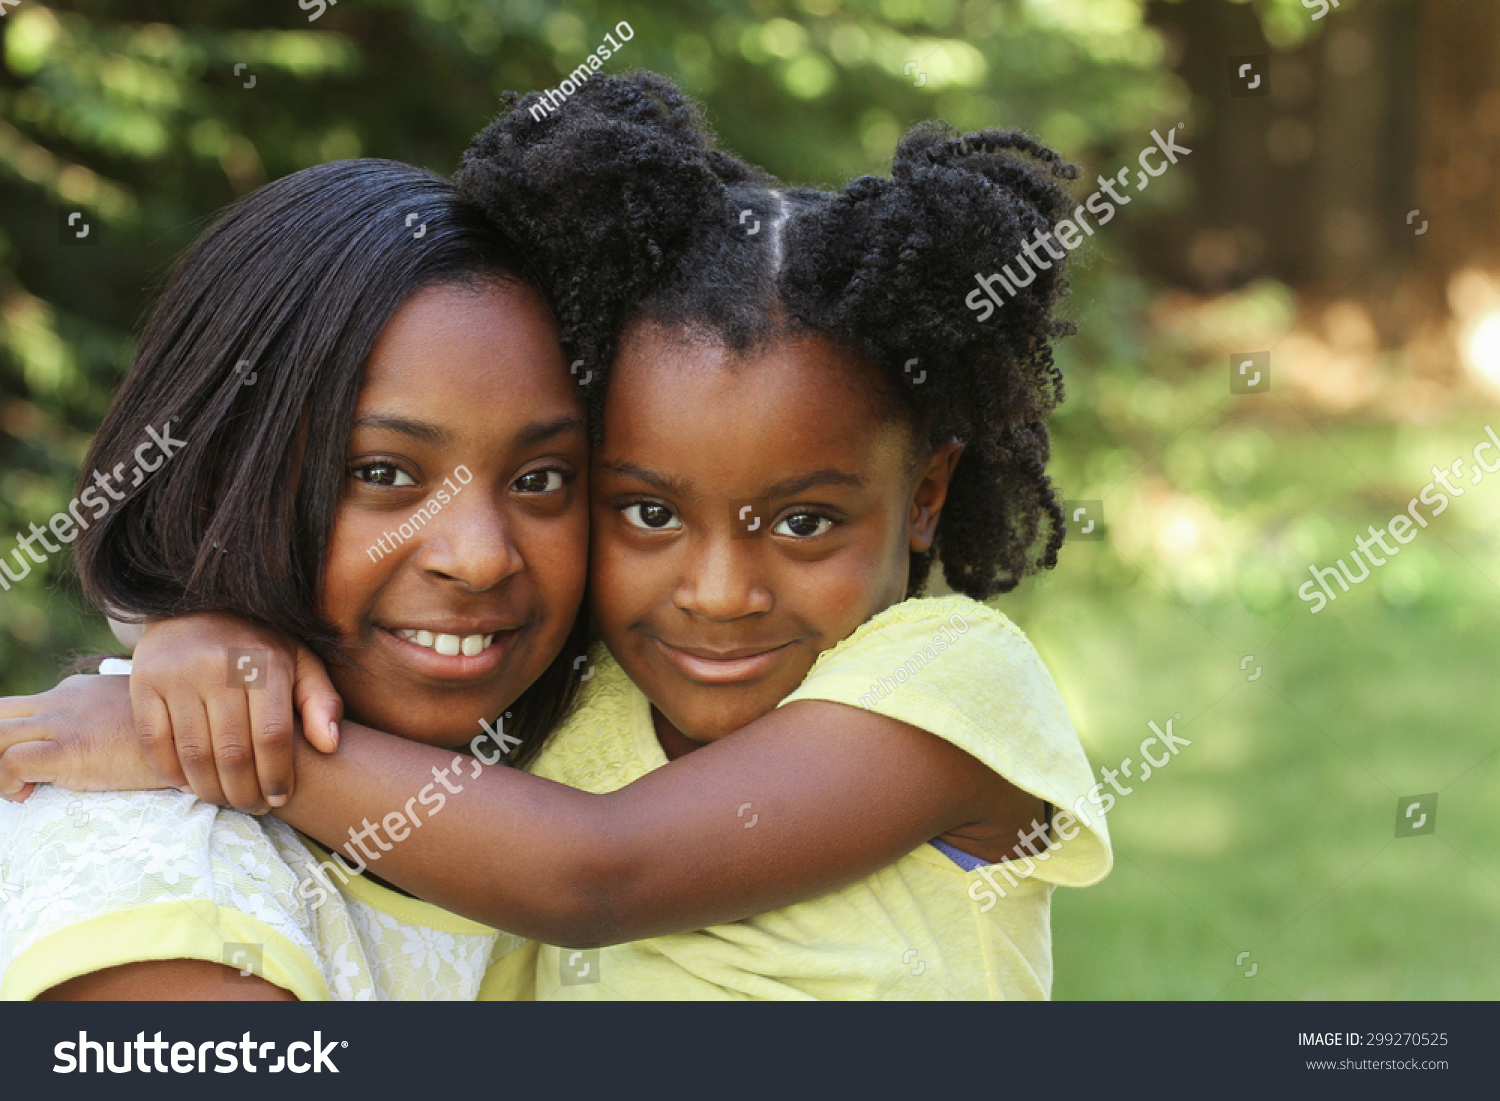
722, 667
448, 645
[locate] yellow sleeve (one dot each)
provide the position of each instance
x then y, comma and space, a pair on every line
512, 977
183, 929
964, 672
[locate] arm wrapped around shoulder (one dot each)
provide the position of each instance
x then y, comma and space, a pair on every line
963, 671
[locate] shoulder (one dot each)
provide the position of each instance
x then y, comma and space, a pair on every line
93, 880
935, 640
963, 671
594, 747
108, 842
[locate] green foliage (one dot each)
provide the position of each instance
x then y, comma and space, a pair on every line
139, 115
134, 112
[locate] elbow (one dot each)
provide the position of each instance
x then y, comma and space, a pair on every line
598, 903
595, 911
584, 920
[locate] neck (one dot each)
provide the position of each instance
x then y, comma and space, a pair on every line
674, 743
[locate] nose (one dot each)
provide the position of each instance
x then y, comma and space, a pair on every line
722, 580
470, 541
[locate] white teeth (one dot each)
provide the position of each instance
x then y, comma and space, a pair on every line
448, 645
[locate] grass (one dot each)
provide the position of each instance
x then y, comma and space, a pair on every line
1274, 833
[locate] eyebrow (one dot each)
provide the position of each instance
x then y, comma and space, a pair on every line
790, 487
421, 431
434, 436
677, 487
787, 487
543, 431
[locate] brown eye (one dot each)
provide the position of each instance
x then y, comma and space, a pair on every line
803, 525
383, 474
539, 481
651, 516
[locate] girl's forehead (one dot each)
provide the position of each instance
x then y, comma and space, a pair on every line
463, 341
798, 403
658, 357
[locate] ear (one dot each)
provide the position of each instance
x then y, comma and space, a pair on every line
930, 492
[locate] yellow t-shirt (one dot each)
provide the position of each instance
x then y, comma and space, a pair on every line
920, 928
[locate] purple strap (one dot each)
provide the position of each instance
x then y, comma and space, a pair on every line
964, 860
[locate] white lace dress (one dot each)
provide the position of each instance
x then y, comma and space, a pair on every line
95, 880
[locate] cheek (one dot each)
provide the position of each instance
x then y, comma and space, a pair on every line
851, 583
349, 578
621, 580
557, 554
831, 602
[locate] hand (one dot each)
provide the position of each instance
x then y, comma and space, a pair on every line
78, 736
224, 730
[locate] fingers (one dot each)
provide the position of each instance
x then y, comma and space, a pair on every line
17, 731
234, 750
318, 702
271, 734
195, 747
25, 764
153, 726
17, 707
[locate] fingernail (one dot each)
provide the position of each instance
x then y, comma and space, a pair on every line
276, 800
333, 728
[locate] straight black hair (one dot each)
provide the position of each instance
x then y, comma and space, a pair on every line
252, 359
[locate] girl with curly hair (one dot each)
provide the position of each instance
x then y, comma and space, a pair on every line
789, 774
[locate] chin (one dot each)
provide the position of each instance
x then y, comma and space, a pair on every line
442, 739
710, 726
443, 731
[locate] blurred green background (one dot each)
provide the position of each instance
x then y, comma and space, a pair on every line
1339, 215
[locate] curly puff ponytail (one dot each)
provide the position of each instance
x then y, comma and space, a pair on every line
631, 212
886, 267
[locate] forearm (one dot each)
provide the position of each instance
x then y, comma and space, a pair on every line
668, 853
501, 847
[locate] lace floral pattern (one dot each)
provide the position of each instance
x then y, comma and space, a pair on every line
577, 754
71, 857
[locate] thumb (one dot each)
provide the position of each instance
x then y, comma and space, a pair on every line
318, 702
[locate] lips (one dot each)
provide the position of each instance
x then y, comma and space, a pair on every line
450, 651
708, 666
